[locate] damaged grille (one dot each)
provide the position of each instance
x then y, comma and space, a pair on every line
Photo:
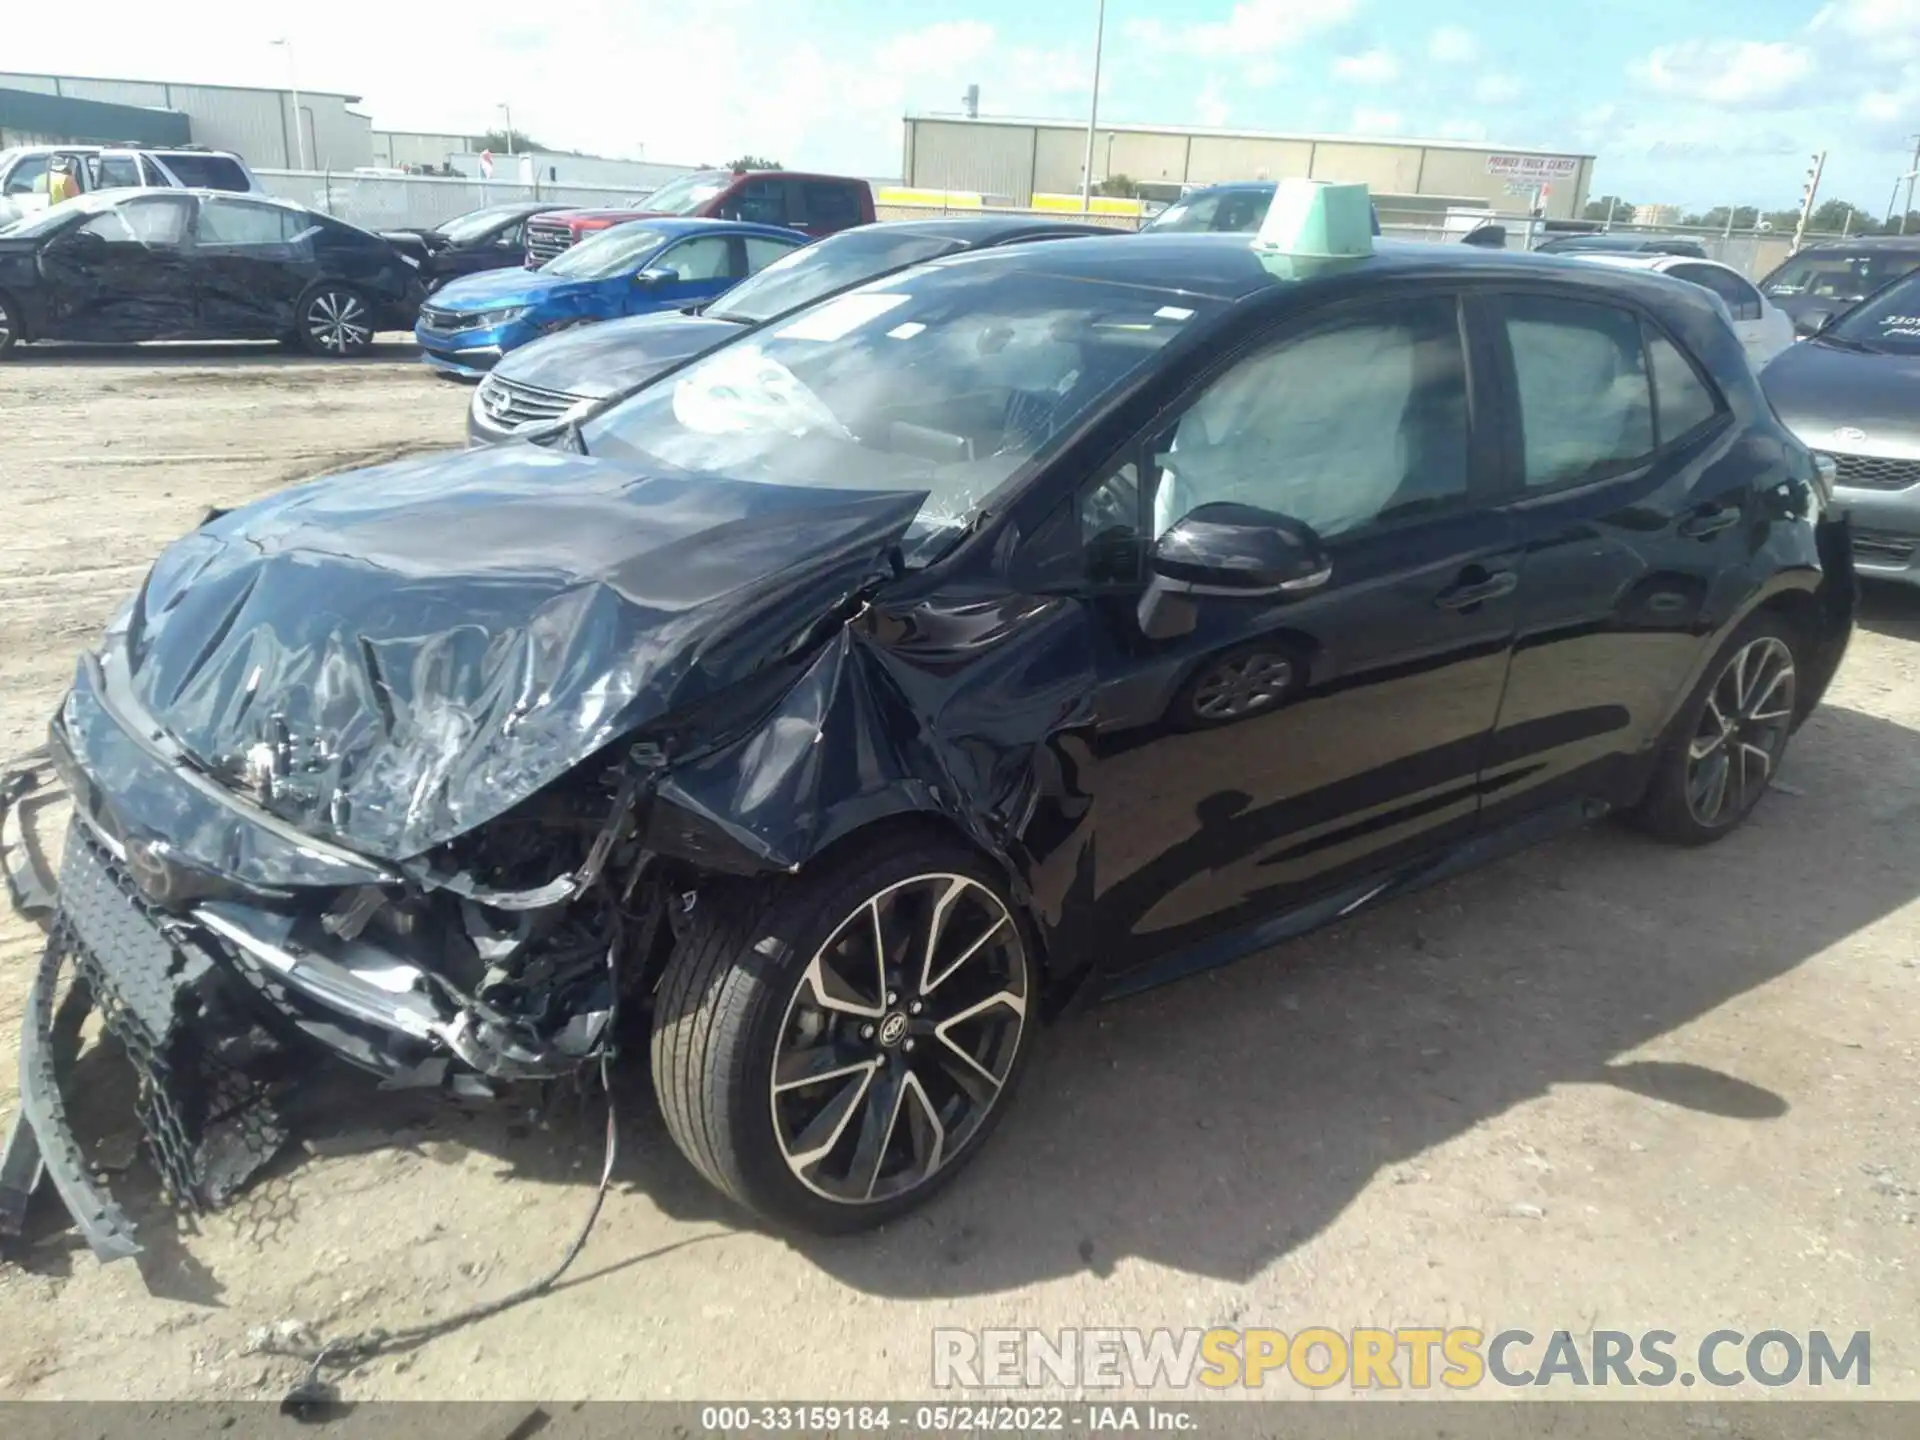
510, 404
544, 241
208, 1125
447, 321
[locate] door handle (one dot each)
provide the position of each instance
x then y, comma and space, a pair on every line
1474, 592
1710, 520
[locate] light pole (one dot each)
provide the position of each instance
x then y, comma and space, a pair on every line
1093, 109
1909, 177
293, 84
507, 110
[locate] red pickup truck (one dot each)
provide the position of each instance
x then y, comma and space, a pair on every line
816, 204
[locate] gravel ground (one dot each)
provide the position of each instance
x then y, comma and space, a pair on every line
1602, 1085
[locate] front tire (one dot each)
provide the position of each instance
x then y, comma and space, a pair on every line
830, 1050
335, 322
1728, 741
9, 326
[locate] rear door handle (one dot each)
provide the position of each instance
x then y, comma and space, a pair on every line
1475, 592
1710, 520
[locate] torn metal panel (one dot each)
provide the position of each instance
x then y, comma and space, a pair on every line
29, 886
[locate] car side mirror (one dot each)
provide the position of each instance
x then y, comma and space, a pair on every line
1228, 550
1812, 322
653, 279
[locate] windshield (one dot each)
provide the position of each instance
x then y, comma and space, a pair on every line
688, 193
1887, 324
612, 252
949, 378
54, 216
816, 271
1845, 278
476, 223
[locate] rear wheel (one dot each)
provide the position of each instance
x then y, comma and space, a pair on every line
1729, 741
335, 321
829, 1051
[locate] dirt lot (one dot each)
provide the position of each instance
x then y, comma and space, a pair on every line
1602, 1085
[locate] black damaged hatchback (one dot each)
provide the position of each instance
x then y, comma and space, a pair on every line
1018, 630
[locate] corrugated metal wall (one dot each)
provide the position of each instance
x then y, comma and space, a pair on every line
987, 155
415, 147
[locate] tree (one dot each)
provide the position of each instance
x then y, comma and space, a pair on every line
1124, 185
755, 162
496, 141
1835, 216
1622, 210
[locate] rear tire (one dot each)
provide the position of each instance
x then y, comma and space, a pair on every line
820, 1081
9, 325
335, 321
1728, 740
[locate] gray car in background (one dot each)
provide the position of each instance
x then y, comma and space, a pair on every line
1853, 391
1818, 282
532, 389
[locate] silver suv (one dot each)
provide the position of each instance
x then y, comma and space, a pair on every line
25, 172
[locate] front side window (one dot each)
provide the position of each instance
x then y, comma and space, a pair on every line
478, 224
709, 257
236, 223
618, 251
1586, 406
155, 222
1360, 423
829, 206
29, 177
1189, 215
947, 380
1242, 211
762, 202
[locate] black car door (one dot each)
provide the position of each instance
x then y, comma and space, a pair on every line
1635, 508
1289, 747
251, 261
125, 274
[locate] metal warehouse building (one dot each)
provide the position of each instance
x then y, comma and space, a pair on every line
258, 124
1011, 161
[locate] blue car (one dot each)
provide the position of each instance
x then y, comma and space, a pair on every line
631, 269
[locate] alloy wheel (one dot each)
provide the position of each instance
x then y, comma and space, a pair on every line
1742, 731
899, 1039
1243, 686
6, 327
337, 320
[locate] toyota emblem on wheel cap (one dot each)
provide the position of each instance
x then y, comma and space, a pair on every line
893, 1029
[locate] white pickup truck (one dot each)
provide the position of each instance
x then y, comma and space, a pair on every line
24, 172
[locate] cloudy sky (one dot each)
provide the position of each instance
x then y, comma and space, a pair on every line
1682, 100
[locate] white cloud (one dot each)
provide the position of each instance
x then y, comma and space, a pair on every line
1726, 72
936, 47
1252, 28
1461, 130
1497, 89
1211, 107
1368, 121
1371, 67
1453, 45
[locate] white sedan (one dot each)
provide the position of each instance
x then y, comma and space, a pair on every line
1762, 326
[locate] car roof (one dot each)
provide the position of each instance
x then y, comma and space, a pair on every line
671, 225
1647, 262
1233, 185
1861, 243
1227, 268
979, 230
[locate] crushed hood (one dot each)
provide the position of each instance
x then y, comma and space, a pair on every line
409, 651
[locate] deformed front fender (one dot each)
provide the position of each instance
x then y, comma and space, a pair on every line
978, 714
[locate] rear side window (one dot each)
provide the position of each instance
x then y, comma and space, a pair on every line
234, 222
762, 252
1586, 405
206, 172
112, 172
1685, 402
834, 207
763, 202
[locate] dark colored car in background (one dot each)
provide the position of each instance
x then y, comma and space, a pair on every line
1820, 281
1028, 627
638, 268
1611, 243
538, 384
812, 204
132, 265
484, 239
1236, 208
1853, 390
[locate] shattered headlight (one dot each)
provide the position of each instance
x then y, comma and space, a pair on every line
504, 317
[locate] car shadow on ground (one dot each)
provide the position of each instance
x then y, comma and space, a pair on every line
1892, 610
1214, 1125
393, 346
